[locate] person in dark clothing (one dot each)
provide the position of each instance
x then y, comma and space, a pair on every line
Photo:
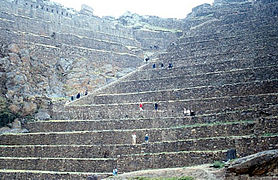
162, 65
86, 93
156, 106
78, 96
170, 66
153, 65
146, 138
72, 98
147, 59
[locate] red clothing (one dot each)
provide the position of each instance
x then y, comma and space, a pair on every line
141, 105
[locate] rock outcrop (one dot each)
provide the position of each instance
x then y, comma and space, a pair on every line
261, 163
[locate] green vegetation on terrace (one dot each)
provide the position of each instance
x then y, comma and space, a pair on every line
6, 116
269, 134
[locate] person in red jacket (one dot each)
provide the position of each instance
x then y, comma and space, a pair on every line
141, 106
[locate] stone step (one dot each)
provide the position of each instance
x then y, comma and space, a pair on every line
59, 164
227, 30
239, 128
113, 151
143, 123
182, 68
49, 175
165, 108
225, 44
237, 89
216, 78
167, 160
244, 55
225, 41
180, 159
243, 21
242, 45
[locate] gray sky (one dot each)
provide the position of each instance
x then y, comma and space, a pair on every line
162, 8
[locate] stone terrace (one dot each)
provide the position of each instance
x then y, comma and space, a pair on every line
228, 79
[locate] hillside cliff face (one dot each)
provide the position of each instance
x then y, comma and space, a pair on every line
50, 51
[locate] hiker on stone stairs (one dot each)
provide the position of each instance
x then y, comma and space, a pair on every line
78, 96
141, 106
147, 59
170, 66
146, 138
153, 66
156, 106
133, 138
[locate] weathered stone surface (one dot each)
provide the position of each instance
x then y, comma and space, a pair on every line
16, 124
256, 164
13, 48
42, 115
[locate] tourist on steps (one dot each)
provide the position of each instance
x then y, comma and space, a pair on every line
170, 66
78, 96
115, 172
133, 138
153, 65
146, 138
141, 106
156, 106
147, 59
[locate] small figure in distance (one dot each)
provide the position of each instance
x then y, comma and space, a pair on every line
71, 98
170, 66
156, 106
78, 96
162, 65
86, 92
153, 65
115, 172
147, 59
186, 112
141, 106
146, 138
133, 138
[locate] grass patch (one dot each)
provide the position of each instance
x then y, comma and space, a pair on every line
162, 178
218, 164
269, 134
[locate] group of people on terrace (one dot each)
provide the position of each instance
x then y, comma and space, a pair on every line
73, 97
134, 137
170, 65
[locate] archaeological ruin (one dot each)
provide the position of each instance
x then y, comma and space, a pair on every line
75, 88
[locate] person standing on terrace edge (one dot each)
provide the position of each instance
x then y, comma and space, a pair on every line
156, 106
133, 138
141, 106
146, 138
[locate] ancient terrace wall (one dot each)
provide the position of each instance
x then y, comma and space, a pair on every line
53, 51
85, 50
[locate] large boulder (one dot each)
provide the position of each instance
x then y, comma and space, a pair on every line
256, 164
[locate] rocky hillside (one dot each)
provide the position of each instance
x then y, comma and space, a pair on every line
50, 52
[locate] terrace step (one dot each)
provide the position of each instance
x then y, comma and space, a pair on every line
246, 127
224, 65
165, 108
59, 164
242, 45
113, 151
237, 89
49, 175
140, 123
185, 81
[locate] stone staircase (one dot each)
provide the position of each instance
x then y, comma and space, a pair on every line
227, 77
